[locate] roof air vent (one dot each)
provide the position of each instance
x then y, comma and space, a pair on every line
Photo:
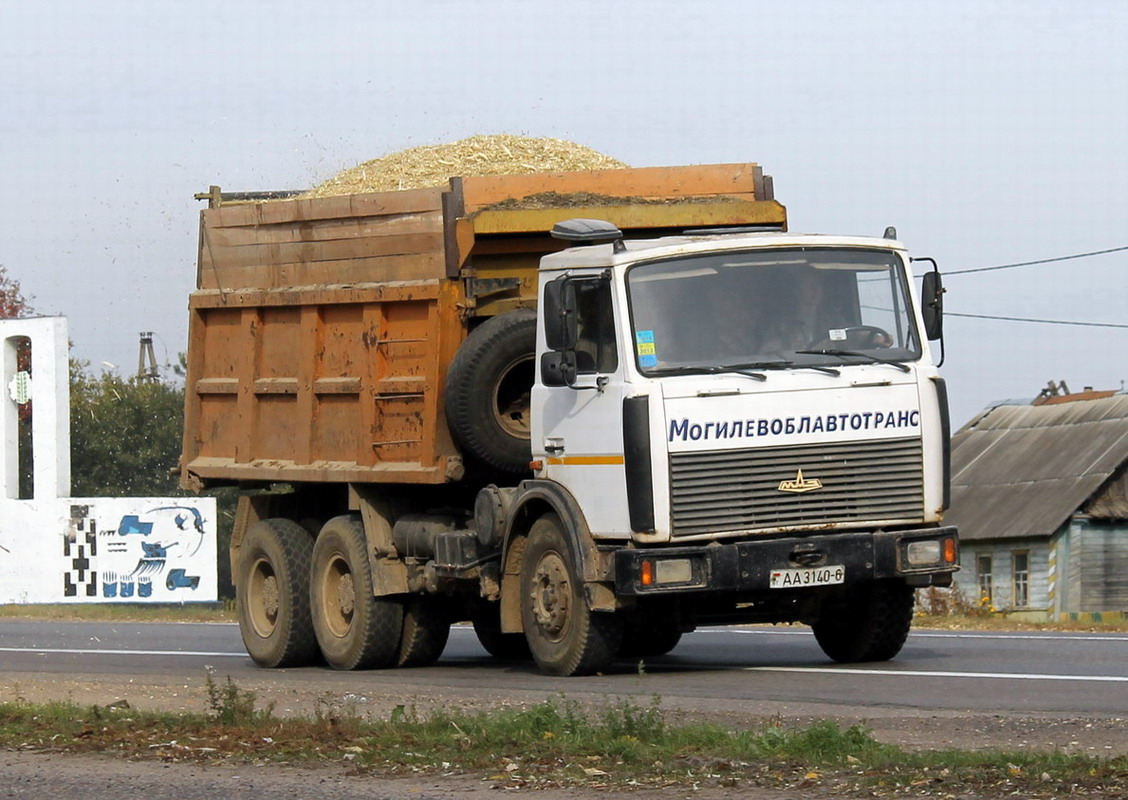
586, 231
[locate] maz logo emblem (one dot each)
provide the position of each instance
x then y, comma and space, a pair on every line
799, 484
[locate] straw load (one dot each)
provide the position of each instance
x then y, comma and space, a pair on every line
434, 165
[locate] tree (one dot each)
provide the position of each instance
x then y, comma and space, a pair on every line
125, 435
12, 302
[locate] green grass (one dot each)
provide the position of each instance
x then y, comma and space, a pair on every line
555, 742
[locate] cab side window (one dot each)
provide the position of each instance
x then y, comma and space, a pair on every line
595, 323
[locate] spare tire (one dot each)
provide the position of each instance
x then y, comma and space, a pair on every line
488, 389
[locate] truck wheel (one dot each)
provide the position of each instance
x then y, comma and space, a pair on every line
648, 639
869, 623
272, 594
426, 628
506, 646
488, 387
355, 629
564, 635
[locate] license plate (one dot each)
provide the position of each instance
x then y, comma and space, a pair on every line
812, 576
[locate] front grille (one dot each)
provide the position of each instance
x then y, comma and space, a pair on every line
726, 490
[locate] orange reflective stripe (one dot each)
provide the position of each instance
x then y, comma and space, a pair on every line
585, 460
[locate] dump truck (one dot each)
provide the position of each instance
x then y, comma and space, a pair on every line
586, 412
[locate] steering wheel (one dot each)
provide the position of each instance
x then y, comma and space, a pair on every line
870, 336
864, 336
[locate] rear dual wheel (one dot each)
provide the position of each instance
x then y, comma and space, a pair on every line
487, 627
426, 628
272, 594
355, 629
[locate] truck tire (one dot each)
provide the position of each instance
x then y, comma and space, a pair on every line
488, 387
648, 639
272, 594
869, 623
564, 635
426, 628
487, 627
355, 629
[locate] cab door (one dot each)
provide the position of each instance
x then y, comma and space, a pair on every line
577, 429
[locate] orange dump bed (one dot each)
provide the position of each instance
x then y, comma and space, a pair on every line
321, 329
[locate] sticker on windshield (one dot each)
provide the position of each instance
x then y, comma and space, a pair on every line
837, 334
647, 350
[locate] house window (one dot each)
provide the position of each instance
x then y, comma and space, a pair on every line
983, 580
1021, 572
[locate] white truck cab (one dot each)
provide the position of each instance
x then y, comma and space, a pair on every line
752, 413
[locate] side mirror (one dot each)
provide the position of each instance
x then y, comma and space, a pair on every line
932, 305
560, 315
558, 368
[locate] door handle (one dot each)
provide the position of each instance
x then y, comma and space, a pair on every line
554, 447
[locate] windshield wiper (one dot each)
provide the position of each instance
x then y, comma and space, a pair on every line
783, 363
856, 354
739, 369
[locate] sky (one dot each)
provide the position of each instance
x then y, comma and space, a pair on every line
989, 133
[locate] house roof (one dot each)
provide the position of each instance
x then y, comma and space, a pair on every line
1021, 471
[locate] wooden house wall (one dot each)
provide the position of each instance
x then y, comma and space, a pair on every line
1099, 560
1002, 572
1091, 569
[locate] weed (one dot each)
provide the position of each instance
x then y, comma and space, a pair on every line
339, 715
231, 705
624, 718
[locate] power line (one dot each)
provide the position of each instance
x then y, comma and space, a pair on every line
1042, 321
1040, 261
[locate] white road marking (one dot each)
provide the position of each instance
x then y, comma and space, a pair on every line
815, 670
101, 652
1079, 637
1016, 676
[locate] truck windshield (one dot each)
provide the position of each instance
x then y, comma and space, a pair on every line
794, 307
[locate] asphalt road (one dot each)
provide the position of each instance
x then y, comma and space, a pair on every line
771, 668
1054, 691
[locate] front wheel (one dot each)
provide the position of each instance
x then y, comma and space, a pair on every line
272, 594
565, 636
648, 639
355, 629
868, 622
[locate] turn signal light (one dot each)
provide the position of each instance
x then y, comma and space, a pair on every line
949, 551
646, 573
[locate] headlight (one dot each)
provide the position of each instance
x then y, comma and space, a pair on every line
923, 553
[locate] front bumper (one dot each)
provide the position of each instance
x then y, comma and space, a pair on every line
747, 566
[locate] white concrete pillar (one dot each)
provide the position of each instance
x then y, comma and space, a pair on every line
50, 399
